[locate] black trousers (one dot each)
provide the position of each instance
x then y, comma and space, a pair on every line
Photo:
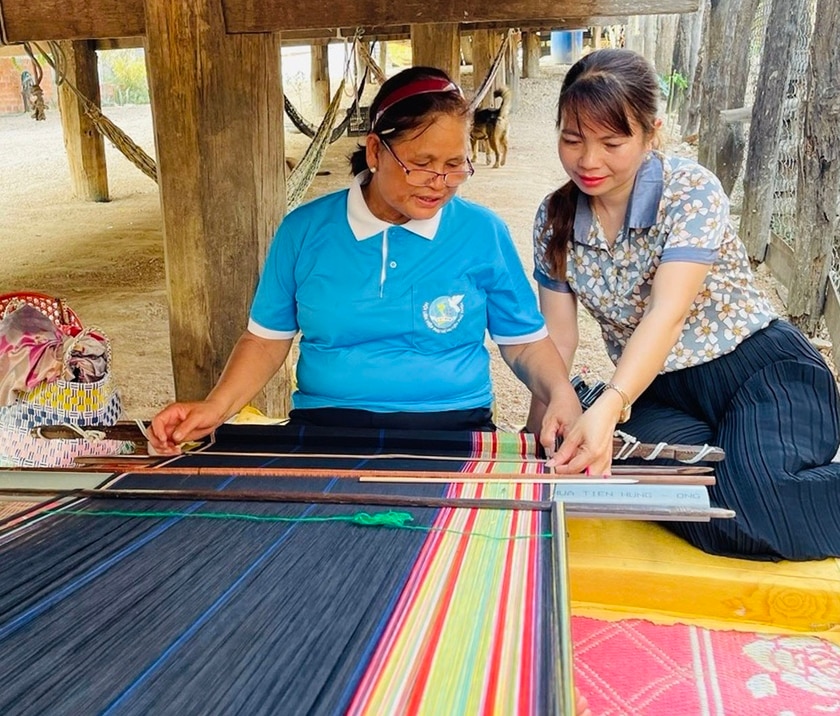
479, 419
773, 406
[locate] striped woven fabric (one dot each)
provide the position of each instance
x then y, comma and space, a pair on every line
465, 635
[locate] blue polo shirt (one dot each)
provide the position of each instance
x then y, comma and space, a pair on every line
393, 318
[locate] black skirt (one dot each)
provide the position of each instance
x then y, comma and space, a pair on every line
773, 406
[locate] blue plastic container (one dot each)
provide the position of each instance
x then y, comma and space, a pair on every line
566, 46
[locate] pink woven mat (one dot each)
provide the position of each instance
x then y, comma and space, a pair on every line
635, 668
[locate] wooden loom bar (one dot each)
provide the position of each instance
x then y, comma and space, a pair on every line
131, 432
130, 462
641, 478
561, 638
581, 510
284, 496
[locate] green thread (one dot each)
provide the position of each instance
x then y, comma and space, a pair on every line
396, 520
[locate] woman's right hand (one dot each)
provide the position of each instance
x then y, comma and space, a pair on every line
587, 447
178, 423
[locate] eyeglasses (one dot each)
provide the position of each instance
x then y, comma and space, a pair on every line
425, 177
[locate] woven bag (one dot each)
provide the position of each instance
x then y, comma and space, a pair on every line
59, 402
18, 448
75, 402
54, 308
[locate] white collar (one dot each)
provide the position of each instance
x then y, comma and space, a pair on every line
365, 225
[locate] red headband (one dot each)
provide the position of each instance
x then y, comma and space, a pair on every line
421, 86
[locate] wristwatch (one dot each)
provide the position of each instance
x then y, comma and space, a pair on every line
624, 416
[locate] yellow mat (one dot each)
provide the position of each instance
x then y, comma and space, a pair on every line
622, 569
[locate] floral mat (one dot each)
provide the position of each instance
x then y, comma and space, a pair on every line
633, 667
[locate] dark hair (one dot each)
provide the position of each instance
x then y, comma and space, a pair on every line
607, 87
410, 113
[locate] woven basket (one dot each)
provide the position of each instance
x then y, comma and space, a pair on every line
54, 308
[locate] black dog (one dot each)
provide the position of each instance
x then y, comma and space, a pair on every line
490, 126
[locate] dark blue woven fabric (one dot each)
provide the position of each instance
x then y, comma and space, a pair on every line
773, 406
171, 615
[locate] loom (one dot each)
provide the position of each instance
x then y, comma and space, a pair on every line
191, 605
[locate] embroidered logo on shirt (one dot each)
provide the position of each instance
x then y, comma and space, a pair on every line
444, 313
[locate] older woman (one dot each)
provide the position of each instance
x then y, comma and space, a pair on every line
392, 285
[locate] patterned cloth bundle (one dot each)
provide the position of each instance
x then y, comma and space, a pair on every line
53, 372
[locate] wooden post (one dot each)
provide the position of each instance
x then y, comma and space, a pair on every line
786, 19
383, 55
597, 35
84, 145
531, 52
512, 69
320, 86
218, 109
485, 46
466, 49
818, 190
437, 45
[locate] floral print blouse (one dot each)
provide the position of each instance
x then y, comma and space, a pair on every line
678, 212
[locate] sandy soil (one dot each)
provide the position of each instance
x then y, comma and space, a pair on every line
107, 259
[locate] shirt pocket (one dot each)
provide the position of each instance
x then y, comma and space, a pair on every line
447, 315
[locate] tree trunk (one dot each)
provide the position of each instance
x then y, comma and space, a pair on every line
818, 191
727, 47
787, 19
634, 35
84, 145
687, 45
218, 108
666, 37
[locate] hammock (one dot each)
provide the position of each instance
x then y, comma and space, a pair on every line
101, 123
302, 175
364, 54
310, 130
494, 68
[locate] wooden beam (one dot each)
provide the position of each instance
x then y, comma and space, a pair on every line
279, 15
218, 106
84, 145
22, 20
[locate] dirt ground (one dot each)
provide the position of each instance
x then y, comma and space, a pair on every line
107, 259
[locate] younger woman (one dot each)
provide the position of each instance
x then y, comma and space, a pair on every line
644, 241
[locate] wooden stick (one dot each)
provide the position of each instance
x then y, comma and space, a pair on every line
583, 510
130, 462
130, 431
642, 478
283, 496
560, 621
